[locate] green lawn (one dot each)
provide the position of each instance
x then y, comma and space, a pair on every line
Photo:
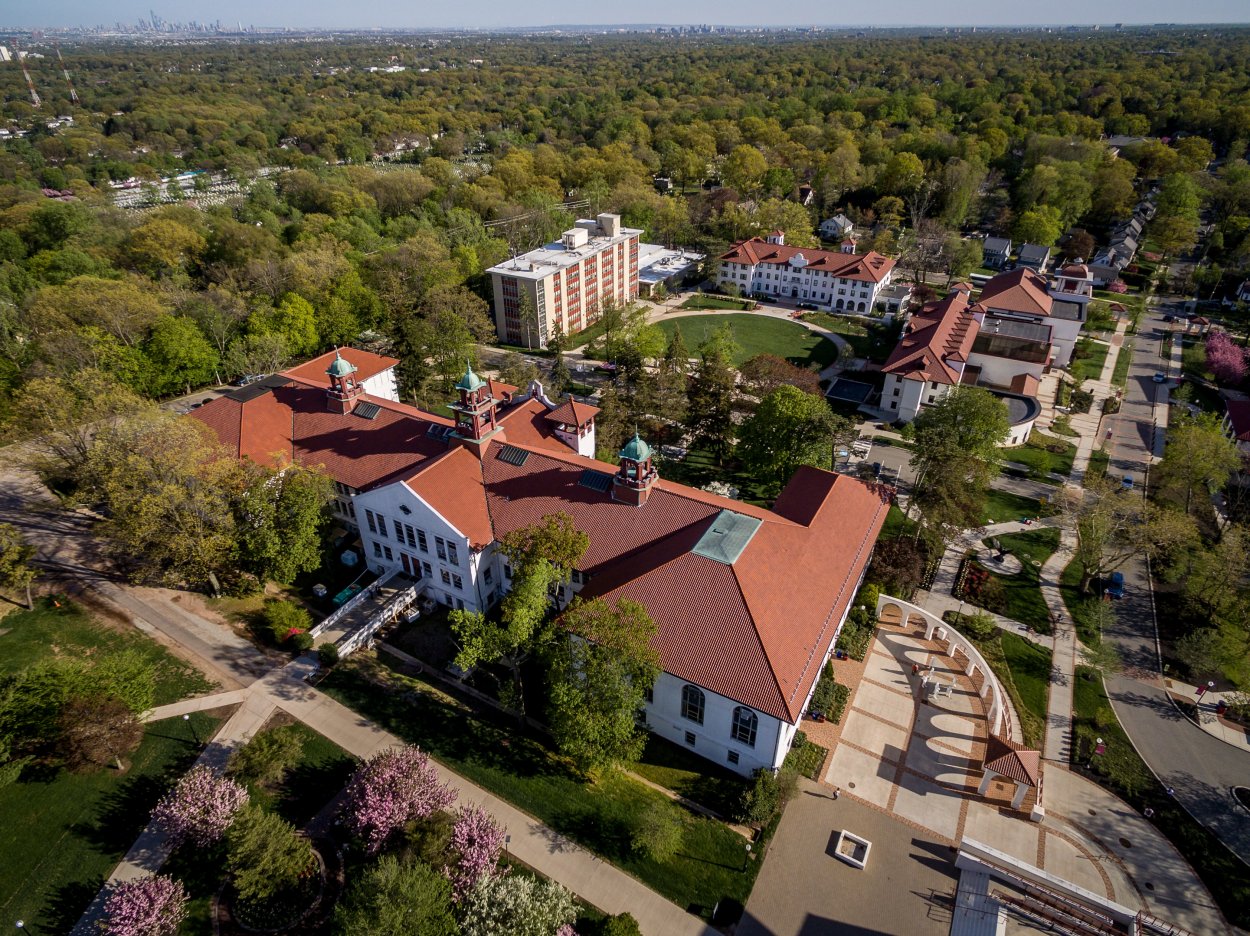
1119, 376
1098, 462
897, 524
1024, 601
695, 778
1003, 506
757, 334
716, 302
1037, 454
1024, 670
869, 339
1120, 770
1088, 359
494, 753
69, 631
315, 779
64, 832
699, 467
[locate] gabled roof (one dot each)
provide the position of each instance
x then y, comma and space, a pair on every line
1020, 290
997, 245
1033, 253
1011, 759
870, 267
452, 485
940, 331
367, 365
573, 413
1239, 418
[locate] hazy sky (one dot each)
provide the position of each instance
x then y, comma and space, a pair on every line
489, 13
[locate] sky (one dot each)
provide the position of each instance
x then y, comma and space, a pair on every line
485, 14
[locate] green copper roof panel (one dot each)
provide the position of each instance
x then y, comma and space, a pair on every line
727, 537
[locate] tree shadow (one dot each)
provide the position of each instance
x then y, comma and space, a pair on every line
66, 906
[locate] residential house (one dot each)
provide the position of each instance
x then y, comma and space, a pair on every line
995, 252
748, 602
1236, 423
564, 285
836, 228
1034, 256
836, 281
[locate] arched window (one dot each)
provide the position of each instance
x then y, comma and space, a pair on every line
745, 723
692, 704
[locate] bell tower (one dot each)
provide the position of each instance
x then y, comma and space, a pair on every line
476, 421
343, 390
633, 482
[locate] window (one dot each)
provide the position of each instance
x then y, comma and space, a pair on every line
507, 571
745, 724
389, 555
896, 391
373, 528
426, 568
692, 704
351, 509
377, 550
421, 542
649, 694
452, 556
457, 582
690, 738
446, 576
933, 385
732, 757
440, 546
416, 567
382, 527
577, 577
410, 536
487, 576
399, 531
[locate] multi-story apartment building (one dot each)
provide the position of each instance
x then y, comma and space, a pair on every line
564, 285
838, 281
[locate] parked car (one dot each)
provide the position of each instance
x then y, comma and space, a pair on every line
1127, 483
1115, 585
1160, 377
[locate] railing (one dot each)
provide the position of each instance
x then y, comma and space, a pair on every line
350, 605
402, 599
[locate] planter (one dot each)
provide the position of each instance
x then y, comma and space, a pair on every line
852, 849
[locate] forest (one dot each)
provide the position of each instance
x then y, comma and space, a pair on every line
370, 202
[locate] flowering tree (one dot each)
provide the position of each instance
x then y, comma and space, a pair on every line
1226, 360
1119, 286
515, 905
390, 790
200, 808
477, 839
149, 906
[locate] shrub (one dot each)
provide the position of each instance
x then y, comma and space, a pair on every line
623, 924
300, 642
657, 832
517, 905
148, 906
328, 654
477, 841
283, 619
267, 757
200, 808
767, 796
980, 626
823, 694
391, 790
267, 855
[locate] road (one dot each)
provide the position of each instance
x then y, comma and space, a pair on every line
1201, 769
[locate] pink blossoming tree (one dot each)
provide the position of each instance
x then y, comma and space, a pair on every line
200, 808
150, 906
1225, 360
477, 840
390, 790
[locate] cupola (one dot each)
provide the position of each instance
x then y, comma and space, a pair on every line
636, 475
343, 390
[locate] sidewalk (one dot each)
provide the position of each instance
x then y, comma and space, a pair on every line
1063, 663
1208, 720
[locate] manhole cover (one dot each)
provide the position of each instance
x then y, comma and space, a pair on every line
851, 785
1093, 812
1126, 843
1242, 795
1149, 886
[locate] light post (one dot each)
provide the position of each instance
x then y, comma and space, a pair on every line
746, 856
20, 924
195, 735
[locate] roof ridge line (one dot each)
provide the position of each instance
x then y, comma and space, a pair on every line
755, 629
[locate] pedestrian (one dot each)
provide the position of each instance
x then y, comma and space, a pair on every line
1171, 792
915, 669
836, 792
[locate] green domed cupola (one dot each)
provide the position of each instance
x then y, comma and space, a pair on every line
636, 450
470, 382
339, 367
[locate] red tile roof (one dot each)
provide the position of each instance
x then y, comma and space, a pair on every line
526, 423
1009, 758
1239, 417
573, 413
367, 365
1020, 290
452, 484
941, 330
871, 267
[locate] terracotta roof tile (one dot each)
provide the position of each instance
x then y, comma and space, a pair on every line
1239, 417
452, 484
1011, 759
1020, 290
871, 267
942, 331
573, 413
367, 365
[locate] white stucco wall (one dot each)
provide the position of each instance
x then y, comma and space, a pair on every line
999, 372
383, 385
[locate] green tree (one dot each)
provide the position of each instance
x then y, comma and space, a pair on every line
744, 169
97, 731
516, 905
294, 320
279, 516
902, 175
267, 757
180, 355
658, 831
265, 854
559, 379
394, 897
1198, 458
790, 428
598, 678
123, 309
16, 570
1041, 226
710, 399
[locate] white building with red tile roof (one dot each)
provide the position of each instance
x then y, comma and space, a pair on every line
748, 602
838, 281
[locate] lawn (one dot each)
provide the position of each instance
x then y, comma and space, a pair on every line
1003, 506
757, 334
1119, 376
1098, 462
1024, 670
869, 339
1088, 358
1024, 601
897, 524
1043, 455
317, 777
699, 467
717, 302
695, 778
70, 631
493, 752
64, 832
1122, 771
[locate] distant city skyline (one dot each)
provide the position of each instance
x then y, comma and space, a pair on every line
487, 14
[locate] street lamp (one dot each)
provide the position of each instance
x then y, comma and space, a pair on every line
20, 924
746, 857
195, 735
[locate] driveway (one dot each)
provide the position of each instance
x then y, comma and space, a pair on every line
1201, 769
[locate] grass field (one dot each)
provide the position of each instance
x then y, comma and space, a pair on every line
1036, 454
1123, 772
1119, 376
1098, 462
869, 339
717, 302
1023, 594
1003, 506
1088, 359
1024, 670
757, 334
511, 764
316, 778
63, 832
692, 776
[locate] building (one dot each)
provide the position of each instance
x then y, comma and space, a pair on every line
995, 252
842, 281
659, 265
1236, 423
1034, 256
564, 285
748, 602
836, 228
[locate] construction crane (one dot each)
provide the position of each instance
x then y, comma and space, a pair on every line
34, 95
73, 95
